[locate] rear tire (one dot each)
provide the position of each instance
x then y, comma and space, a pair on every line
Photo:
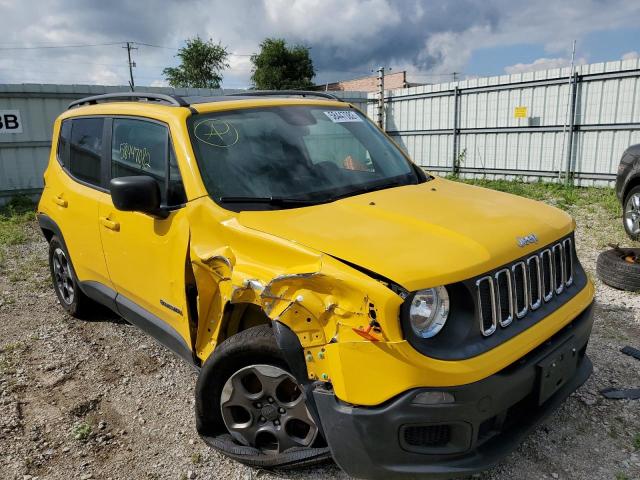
631, 213
65, 282
616, 272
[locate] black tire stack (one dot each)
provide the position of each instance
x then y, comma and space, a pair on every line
614, 268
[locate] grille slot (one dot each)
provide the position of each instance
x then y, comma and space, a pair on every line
546, 264
568, 262
487, 305
520, 289
524, 286
558, 268
535, 282
505, 297
427, 435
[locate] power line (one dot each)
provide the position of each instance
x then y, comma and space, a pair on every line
50, 46
155, 46
38, 61
41, 47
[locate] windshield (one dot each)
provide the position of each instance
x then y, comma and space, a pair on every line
290, 156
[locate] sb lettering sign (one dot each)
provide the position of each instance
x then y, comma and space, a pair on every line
10, 121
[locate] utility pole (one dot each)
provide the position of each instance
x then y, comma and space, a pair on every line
569, 118
381, 97
132, 64
455, 75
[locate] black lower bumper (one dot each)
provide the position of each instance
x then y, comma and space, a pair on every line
487, 419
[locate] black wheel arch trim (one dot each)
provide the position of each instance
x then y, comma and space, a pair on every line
293, 354
632, 180
46, 223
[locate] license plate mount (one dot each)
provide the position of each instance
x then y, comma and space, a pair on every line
556, 369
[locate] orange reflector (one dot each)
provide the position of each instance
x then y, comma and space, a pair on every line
365, 334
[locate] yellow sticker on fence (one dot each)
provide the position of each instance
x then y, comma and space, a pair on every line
520, 112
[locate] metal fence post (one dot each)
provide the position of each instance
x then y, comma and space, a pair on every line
572, 120
456, 127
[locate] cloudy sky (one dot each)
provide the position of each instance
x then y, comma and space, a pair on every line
76, 41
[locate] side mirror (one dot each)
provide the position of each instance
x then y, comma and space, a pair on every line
139, 193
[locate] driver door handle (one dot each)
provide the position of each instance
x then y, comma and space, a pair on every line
110, 224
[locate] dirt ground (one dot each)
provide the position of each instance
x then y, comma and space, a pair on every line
98, 399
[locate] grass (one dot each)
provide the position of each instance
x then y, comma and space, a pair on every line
81, 431
560, 195
10, 347
636, 441
29, 270
13, 216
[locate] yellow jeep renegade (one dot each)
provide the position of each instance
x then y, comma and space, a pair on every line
336, 300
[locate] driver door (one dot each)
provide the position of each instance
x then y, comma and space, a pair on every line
146, 255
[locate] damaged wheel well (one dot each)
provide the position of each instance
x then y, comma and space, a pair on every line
239, 317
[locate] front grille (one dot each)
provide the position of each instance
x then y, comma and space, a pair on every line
427, 435
524, 286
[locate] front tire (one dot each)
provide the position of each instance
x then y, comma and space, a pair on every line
247, 394
65, 282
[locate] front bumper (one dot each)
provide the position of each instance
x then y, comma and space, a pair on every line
487, 420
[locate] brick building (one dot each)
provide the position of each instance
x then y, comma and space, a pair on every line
367, 84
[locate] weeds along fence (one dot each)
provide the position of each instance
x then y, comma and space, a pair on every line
538, 125
27, 113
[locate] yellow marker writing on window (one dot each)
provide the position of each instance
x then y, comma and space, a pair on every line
216, 133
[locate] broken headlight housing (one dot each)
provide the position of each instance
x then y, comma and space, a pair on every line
429, 311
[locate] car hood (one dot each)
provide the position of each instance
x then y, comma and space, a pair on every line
419, 236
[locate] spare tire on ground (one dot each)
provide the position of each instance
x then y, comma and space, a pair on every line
620, 268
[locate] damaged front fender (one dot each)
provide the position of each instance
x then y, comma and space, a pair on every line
319, 298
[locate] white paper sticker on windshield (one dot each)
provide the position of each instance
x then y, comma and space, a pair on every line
339, 116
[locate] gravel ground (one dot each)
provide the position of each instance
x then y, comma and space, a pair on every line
98, 399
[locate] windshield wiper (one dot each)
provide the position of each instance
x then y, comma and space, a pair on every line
283, 201
370, 188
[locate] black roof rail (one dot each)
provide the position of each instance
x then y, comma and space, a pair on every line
174, 100
284, 93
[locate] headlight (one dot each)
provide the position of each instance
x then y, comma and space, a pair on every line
429, 311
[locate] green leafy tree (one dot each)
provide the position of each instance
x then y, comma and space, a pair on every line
201, 65
280, 67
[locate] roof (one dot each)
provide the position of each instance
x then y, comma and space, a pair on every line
184, 101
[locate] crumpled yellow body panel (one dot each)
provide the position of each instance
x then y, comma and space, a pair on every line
324, 301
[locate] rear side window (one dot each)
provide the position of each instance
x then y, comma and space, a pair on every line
63, 143
140, 147
86, 150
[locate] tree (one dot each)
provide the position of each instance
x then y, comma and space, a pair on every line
201, 65
279, 67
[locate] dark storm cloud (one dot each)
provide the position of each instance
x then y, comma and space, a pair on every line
347, 38
404, 41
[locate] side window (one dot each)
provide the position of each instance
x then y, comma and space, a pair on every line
139, 147
86, 150
63, 143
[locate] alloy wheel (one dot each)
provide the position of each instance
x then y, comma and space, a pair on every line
632, 214
62, 276
264, 407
